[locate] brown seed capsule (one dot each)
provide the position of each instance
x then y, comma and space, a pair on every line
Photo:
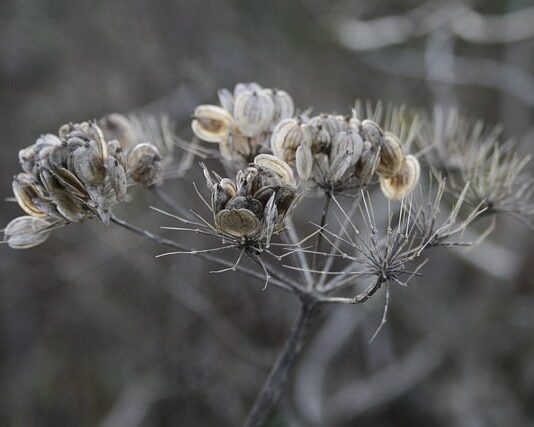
400, 185
144, 164
116, 126
240, 222
26, 232
279, 167
211, 123
253, 112
26, 192
391, 156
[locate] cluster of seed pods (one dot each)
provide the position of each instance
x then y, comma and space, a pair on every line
338, 154
256, 205
243, 122
75, 175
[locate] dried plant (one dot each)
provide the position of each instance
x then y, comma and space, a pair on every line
273, 159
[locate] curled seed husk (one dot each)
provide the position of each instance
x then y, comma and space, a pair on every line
116, 126
304, 162
211, 123
371, 132
391, 156
276, 165
26, 192
239, 222
283, 105
400, 185
253, 112
26, 232
144, 164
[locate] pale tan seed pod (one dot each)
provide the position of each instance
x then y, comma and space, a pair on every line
228, 186
98, 136
396, 187
116, 126
26, 232
287, 136
253, 112
26, 193
391, 156
331, 123
346, 144
284, 107
371, 132
68, 207
278, 166
211, 123
117, 178
144, 164
239, 222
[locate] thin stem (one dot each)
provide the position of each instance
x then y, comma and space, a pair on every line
175, 245
319, 240
270, 392
166, 199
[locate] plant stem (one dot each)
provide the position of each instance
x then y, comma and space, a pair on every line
322, 224
308, 313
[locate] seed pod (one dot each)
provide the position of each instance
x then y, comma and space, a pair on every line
276, 165
287, 136
239, 144
26, 192
366, 166
391, 156
304, 162
253, 112
67, 207
27, 159
117, 177
222, 193
47, 140
226, 99
283, 106
211, 123
87, 164
116, 151
371, 132
285, 196
26, 232
116, 126
400, 185
329, 122
346, 144
96, 135
240, 222
249, 203
265, 178
144, 164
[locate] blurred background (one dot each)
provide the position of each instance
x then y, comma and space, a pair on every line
94, 331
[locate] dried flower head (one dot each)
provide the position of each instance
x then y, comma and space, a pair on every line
242, 125
252, 209
71, 177
470, 152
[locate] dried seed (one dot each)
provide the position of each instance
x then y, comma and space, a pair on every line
287, 136
278, 166
371, 132
26, 192
144, 164
391, 156
211, 123
283, 105
400, 185
240, 222
304, 162
26, 232
253, 112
